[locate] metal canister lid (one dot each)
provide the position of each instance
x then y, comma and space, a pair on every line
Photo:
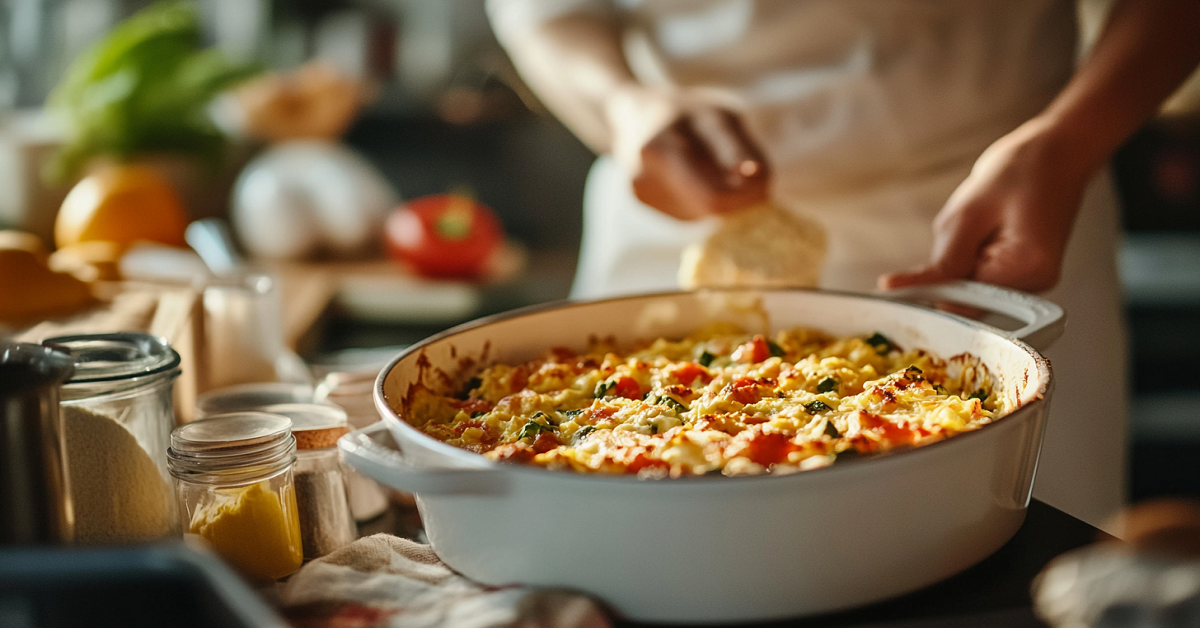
106, 363
315, 425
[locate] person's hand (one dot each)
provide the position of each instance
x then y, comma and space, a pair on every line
1008, 223
686, 157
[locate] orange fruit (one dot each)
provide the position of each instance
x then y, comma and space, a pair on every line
121, 204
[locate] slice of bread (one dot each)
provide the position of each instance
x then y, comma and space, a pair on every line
763, 247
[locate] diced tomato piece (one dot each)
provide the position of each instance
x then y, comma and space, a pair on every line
515, 452
520, 379
689, 372
642, 462
752, 352
769, 449
627, 387
745, 391
466, 425
876, 432
471, 406
545, 442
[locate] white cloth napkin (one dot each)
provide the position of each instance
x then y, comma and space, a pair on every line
383, 581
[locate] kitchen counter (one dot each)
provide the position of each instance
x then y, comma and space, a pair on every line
33, 583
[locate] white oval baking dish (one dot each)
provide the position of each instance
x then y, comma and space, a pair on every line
718, 549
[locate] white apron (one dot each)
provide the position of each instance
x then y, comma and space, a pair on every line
871, 112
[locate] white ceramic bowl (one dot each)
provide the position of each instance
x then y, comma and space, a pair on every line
718, 549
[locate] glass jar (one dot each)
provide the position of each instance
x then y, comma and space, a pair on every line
326, 523
118, 413
234, 483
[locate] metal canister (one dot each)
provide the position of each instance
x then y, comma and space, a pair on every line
35, 496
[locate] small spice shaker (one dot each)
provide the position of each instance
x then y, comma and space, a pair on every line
325, 520
234, 483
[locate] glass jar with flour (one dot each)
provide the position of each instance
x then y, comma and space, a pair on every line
118, 414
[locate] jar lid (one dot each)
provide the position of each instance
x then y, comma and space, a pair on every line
116, 357
315, 425
246, 397
243, 443
242, 432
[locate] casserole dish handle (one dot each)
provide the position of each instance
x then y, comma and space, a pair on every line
387, 466
1043, 321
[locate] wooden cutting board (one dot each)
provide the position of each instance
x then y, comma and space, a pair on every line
171, 311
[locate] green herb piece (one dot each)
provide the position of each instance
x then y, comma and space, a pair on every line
831, 431
471, 384
914, 369
882, 345
776, 350
672, 403
604, 388
476, 415
939, 389
581, 432
705, 359
545, 417
570, 414
980, 394
828, 384
816, 406
532, 429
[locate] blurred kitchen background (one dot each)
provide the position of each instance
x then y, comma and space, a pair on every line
449, 113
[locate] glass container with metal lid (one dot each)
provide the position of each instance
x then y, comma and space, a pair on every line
234, 485
118, 413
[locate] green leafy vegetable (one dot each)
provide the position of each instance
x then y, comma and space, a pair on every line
471, 384
532, 429
705, 359
476, 415
980, 394
604, 388
914, 369
776, 350
831, 431
581, 432
144, 89
570, 414
828, 384
882, 345
816, 406
672, 403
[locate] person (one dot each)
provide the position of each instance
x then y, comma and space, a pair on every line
878, 120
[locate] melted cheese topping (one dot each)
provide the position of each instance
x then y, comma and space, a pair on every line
719, 400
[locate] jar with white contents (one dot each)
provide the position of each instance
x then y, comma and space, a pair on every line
234, 482
118, 414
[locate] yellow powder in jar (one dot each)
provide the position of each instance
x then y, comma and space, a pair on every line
254, 528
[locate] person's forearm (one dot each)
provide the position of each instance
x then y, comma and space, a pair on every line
574, 63
1145, 52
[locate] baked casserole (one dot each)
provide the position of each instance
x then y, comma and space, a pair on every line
721, 400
